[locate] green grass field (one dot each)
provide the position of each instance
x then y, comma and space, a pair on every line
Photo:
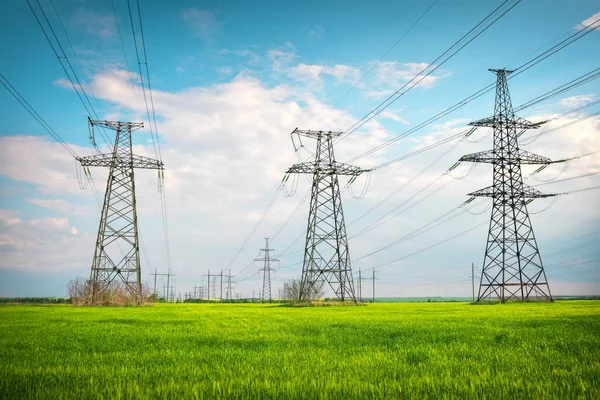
398, 350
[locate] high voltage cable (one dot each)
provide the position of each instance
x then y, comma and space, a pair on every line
293, 213
576, 247
440, 220
283, 253
153, 132
588, 77
380, 59
573, 83
124, 53
533, 138
447, 216
429, 247
15, 93
573, 239
572, 38
74, 52
137, 53
576, 36
464, 135
381, 220
390, 100
77, 87
257, 224
571, 178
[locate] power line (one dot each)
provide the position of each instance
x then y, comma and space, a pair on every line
380, 59
153, 132
124, 52
79, 90
574, 37
430, 247
569, 179
15, 93
257, 224
432, 67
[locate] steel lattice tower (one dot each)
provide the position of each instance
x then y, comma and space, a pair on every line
512, 266
266, 270
117, 252
326, 255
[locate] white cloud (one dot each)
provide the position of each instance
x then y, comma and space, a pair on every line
576, 101
392, 73
313, 74
226, 147
281, 58
589, 21
102, 24
44, 245
39, 161
9, 217
51, 223
61, 205
393, 116
316, 32
202, 22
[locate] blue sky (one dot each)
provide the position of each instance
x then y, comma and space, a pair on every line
231, 81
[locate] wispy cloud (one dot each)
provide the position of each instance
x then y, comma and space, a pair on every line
576, 101
280, 58
95, 22
202, 22
313, 74
316, 32
591, 20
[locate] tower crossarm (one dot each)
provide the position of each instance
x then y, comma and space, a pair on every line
495, 122
107, 160
315, 134
116, 125
526, 192
490, 156
326, 169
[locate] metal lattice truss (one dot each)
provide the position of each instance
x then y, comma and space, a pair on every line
266, 270
512, 266
117, 247
326, 255
516, 157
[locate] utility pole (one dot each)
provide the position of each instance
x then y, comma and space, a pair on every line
155, 273
473, 279
373, 285
326, 254
229, 297
266, 270
359, 286
221, 293
118, 227
168, 275
208, 285
512, 265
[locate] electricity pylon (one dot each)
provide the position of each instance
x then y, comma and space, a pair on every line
266, 270
512, 265
326, 255
117, 252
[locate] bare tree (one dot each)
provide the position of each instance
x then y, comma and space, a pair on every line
116, 294
291, 291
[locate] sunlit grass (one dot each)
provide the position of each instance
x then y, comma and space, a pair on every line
401, 350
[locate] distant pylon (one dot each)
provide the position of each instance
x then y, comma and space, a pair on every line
326, 255
512, 265
266, 270
117, 252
